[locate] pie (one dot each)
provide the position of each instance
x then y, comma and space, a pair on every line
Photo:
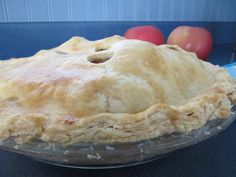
110, 90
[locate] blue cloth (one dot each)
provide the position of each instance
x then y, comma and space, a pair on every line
231, 69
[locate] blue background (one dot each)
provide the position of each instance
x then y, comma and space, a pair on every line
25, 39
117, 10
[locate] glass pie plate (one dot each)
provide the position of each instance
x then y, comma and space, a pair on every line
95, 156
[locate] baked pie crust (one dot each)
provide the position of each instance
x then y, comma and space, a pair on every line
110, 90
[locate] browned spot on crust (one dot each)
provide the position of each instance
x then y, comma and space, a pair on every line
12, 98
218, 90
190, 114
100, 48
173, 48
223, 113
172, 114
230, 93
174, 117
69, 120
61, 52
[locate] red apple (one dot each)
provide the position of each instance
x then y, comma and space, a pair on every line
194, 39
146, 33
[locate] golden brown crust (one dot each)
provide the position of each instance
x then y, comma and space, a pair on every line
110, 90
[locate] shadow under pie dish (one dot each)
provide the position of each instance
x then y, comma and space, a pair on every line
110, 90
